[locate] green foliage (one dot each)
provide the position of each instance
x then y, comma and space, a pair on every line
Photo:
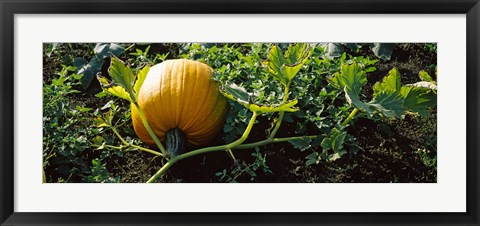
390, 97
383, 51
64, 151
285, 67
70, 136
427, 158
238, 94
90, 69
244, 169
431, 47
99, 173
301, 144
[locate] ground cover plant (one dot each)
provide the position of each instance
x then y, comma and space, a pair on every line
239, 112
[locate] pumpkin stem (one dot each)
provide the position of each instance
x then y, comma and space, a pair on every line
175, 142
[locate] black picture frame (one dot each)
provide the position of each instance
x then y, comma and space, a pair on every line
9, 8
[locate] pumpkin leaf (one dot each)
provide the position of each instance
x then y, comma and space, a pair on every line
142, 74
383, 51
104, 49
288, 107
334, 141
122, 76
301, 144
285, 67
90, 69
313, 158
113, 89
298, 53
391, 82
388, 103
335, 50
352, 46
418, 99
424, 76
240, 95
236, 93
424, 84
275, 62
351, 78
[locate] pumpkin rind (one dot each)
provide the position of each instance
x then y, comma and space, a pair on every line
180, 94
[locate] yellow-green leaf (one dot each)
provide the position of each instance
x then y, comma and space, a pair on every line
142, 74
288, 107
115, 90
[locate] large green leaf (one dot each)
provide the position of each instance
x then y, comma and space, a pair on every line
285, 67
290, 71
240, 95
236, 93
383, 51
275, 62
298, 53
388, 103
122, 76
335, 49
424, 84
113, 89
418, 99
105, 49
351, 78
392, 83
338, 49
142, 74
89, 70
354, 99
387, 99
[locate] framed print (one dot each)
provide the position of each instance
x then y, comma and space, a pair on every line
239, 113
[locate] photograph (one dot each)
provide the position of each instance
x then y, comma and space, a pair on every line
239, 113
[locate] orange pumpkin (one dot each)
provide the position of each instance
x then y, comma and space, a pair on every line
180, 96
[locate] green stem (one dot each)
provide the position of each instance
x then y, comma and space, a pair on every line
150, 130
128, 48
280, 117
147, 150
119, 136
269, 141
114, 147
163, 170
350, 117
205, 150
132, 145
230, 153
223, 147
